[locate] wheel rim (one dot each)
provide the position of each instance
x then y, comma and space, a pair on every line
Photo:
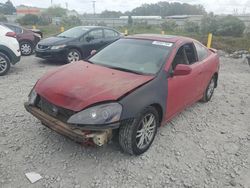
73, 56
3, 64
146, 130
26, 49
210, 89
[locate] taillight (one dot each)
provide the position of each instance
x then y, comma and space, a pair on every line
11, 34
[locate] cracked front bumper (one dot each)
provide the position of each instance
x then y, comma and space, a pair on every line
98, 137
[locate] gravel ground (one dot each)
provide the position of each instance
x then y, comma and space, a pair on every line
208, 145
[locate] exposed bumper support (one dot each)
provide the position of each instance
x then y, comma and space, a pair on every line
98, 137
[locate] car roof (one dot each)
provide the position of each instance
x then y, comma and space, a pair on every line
96, 27
158, 37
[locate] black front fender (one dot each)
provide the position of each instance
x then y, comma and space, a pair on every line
151, 93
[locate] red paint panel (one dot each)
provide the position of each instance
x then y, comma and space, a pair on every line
81, 84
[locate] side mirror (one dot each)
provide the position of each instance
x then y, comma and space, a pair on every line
93, 52
182, 70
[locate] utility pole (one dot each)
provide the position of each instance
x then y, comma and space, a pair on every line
66, 5
51, 1
94, 6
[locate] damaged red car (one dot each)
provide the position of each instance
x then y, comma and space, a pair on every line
128, 89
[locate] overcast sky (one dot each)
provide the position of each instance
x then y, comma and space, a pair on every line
217, 6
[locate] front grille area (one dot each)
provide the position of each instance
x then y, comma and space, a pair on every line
55, 111
42, 47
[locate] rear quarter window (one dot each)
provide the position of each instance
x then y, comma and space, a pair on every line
202, 52
110, 33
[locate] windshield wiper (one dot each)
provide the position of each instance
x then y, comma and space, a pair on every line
126, 70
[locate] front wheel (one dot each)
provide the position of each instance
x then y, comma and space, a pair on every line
26, 48
209, 90
137, 136
73, 56
4, 64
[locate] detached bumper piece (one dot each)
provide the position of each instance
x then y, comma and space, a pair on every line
97, 137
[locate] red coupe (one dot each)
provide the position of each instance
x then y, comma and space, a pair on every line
129, 89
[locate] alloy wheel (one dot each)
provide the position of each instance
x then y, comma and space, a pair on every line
145, 132
73, 56
26, 49
210, 89
3, 64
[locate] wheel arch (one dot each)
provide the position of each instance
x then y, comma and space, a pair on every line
216, 79
159, 110
76, 48
6, 53
26, 40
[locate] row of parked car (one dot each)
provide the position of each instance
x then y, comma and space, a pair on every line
71, 45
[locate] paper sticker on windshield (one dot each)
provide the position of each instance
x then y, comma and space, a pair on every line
168, 44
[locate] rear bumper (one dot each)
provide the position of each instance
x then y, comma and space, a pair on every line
76, 134
51, 54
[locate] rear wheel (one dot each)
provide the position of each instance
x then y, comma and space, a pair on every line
26, 48
4, 64
137, 136
209, 90
73, 56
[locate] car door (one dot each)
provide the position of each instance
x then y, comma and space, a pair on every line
182, 89
110, 36
203, 58
93, 40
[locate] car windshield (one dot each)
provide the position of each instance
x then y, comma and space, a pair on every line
74, 32
134, 55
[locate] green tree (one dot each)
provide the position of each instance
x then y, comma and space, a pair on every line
44, 20
56, 11
164, 8
209, 24
71, 21
224, 26
230, 26
3, 18
191, 27
169, 25
110, 14
7, 8
28, 19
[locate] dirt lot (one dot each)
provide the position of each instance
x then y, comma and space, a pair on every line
208, 145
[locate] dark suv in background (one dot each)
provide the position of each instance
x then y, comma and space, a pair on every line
76, 43
27, 38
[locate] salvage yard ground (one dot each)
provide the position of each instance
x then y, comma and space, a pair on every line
208, 145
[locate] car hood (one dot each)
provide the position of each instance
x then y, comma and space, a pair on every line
81, 84
55, 41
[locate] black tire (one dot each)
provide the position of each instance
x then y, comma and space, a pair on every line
128, 132
73, 56
209, 90
26, 48
4, 64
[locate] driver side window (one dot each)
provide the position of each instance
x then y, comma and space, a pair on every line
180, 58
185, 55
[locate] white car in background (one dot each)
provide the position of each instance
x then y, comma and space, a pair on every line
9, 50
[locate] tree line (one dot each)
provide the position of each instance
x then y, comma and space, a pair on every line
162, 9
